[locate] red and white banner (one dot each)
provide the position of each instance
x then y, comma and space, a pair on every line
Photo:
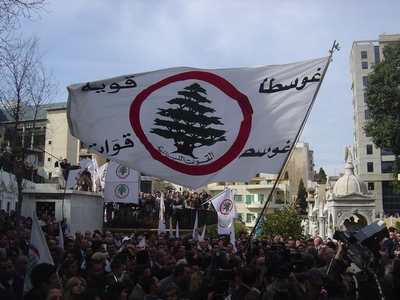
225, 207
121, 184
195, 126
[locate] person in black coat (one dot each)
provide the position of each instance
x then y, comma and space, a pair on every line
8, 275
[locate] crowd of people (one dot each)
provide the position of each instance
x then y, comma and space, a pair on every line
115, 265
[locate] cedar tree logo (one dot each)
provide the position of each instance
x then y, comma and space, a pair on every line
190, 122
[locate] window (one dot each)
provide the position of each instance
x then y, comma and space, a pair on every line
367, 134
376, 54
371, 186
370, 167
365, 97
249, 218
386, 152
364, 54
364, 65
369, 149
249, 199
240, 216
365, 80
261, 198
237, 198
367, 115
387, 166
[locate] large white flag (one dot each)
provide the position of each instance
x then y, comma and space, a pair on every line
225, 207
161, 219
122, 184
194, 126
38, 251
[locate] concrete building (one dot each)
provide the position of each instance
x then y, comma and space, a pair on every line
372, 165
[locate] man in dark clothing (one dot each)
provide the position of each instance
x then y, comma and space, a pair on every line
95, 277
8, 277
42, 276
249, 278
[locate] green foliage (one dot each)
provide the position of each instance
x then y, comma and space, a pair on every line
397, 226
239, 227
321, 176
285, 223
302, 197
286, 176
383, 101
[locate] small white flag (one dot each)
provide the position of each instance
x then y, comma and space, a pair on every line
142, 244
232, 236
226, 210
195, 227
73, 177
161, 221
60, 236
203, 234
177, 230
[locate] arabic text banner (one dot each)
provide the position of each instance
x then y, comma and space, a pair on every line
193, 126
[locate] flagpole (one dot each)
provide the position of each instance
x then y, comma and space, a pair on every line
335, 47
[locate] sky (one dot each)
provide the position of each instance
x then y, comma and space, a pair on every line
97, 39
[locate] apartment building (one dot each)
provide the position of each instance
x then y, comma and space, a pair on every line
372, 164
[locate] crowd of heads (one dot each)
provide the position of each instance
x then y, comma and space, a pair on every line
133, 265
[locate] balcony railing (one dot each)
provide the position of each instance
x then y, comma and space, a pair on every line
144, 218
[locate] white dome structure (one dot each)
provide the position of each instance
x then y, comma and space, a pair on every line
350, 183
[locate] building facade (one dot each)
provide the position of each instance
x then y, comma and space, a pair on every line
250, 197
372, 165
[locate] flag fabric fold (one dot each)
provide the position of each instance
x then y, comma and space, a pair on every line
38, 251
195, 126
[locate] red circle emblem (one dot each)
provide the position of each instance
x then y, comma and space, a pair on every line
220, 83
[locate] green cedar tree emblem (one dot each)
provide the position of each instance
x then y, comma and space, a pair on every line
187, 123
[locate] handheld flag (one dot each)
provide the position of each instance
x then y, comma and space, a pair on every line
38, 251
177, 230
60, 236
196, 126
161, 221
195, 233
226, 210
142, 244
203, 234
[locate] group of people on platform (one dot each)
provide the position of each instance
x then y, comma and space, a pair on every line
115, 265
